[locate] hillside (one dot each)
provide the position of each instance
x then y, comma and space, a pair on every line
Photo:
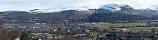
114, 17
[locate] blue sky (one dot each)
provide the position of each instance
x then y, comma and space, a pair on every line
26, 5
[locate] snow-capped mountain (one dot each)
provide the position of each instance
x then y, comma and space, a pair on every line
121, 8
107, 7
108, 12
58, 10
114, 7
126, 9
110, 7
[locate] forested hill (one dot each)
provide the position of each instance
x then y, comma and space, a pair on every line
113, 17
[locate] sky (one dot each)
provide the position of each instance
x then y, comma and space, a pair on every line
25, 5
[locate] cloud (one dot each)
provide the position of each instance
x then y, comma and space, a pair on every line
137, 4
31, 4
52, 4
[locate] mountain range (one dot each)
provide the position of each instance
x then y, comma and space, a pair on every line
106, 13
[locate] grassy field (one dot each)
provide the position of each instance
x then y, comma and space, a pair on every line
107, 25
136, 28
132, 28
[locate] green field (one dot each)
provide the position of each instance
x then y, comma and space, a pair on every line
131, 28
107, 25
136, 28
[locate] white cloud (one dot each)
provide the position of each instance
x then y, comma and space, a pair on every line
30, 4
41, 4
137, 4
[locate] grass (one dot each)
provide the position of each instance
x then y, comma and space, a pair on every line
136, 28
133, 28
107, 25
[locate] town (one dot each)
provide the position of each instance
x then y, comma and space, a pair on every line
78, 20
67, 30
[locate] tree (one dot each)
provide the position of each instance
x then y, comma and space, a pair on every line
4, 35
1, 24
24, 36
66, 36
7, 34
14, 34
